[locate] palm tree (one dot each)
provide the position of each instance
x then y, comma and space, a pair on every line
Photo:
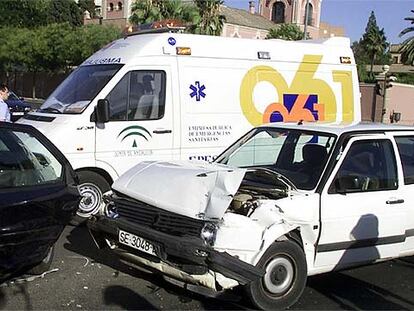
148, 11
175, 9
211, 21
407, 47
144, 12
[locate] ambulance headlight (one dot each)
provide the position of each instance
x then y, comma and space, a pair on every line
209, 233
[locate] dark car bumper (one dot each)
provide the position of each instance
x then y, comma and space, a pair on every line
188, 254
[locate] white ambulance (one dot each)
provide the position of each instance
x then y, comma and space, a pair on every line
170, 96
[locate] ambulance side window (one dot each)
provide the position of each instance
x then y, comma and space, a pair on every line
118, 100
140, 95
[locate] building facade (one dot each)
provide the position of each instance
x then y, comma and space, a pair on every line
254, 21
293, 12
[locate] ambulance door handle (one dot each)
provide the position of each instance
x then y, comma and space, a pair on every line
395, 201
162, 131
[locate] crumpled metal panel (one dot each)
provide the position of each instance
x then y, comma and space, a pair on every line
192, 188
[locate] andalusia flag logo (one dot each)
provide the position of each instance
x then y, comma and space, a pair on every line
134, 131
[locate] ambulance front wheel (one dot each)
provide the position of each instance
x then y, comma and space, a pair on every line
284, 279
91, 187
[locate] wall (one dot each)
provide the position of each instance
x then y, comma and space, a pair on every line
371, 103
400, 98
237, 31
22, 83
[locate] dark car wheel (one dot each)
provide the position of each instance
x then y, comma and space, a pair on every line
45, 264
91, 187
284, 280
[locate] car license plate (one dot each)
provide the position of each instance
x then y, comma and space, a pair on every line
136, 242
18, 113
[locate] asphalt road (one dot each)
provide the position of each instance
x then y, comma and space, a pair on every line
83, 277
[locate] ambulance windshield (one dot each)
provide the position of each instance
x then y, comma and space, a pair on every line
75, 93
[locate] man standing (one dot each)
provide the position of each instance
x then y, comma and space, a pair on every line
4, 108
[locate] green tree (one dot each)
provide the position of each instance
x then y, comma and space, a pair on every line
24, 13
211, 21
64, 11
85, 41
407, 47
87, 5
374, 41
289, 32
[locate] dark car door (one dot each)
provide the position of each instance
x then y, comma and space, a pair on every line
38, 196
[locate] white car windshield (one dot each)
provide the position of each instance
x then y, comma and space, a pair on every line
299, 156
75, 93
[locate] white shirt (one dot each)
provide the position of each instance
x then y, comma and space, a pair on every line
4, 111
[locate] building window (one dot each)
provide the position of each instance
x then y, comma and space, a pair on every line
395, 60
111, 6
119, 6
309, 8
278, 12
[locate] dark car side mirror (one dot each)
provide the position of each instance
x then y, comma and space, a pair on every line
348, 184
101, 112
339, 186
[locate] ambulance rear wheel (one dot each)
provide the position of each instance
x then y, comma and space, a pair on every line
91, 187
284, 279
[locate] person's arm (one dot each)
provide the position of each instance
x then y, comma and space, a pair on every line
3, 112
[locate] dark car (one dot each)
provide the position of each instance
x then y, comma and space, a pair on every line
38, 197
17, 106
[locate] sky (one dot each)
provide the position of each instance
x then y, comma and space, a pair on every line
353, 15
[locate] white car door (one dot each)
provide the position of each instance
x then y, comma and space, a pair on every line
362, 206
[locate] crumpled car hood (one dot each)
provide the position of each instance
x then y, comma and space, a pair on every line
192, 188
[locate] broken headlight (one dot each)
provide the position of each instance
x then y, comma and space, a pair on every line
109, 209
209, 233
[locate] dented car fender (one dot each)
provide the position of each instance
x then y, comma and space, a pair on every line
298, 212
275, 232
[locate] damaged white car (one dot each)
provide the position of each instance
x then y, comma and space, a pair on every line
282, 203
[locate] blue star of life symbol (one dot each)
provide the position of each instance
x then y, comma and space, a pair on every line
197, 91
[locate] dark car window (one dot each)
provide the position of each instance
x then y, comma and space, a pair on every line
25, 161
369, 165
13, 96
406, 150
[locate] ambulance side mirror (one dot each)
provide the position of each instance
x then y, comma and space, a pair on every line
101, 112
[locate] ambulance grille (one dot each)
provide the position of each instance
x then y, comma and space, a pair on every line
147, 215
